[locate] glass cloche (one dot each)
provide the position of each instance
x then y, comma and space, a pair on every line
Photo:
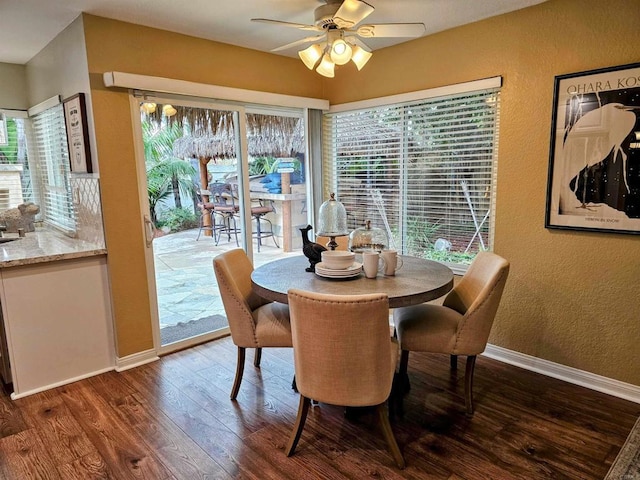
332, 218
368, 238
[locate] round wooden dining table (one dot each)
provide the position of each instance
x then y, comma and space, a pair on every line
417, 281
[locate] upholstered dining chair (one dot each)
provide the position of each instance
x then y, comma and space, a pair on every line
461, 325
343, 355
254, 322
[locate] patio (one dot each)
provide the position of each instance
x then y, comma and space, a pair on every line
185, 282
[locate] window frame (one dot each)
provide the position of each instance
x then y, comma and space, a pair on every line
47, 158
400, 105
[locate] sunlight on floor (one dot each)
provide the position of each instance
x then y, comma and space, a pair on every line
185, 282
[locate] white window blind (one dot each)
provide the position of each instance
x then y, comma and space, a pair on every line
422, 170
51, 173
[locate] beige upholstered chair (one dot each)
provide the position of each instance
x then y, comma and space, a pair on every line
343, 355
460, 326
254, 322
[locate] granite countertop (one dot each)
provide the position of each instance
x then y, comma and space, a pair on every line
44, 245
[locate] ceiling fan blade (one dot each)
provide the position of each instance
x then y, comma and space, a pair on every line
387, 30
300, 26
299, 42
360, 43
352, 12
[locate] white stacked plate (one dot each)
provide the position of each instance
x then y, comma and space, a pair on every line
352, 271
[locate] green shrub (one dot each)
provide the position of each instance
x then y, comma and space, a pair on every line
178, 219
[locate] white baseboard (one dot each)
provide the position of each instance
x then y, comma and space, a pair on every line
599, 383
15, 396
136, 360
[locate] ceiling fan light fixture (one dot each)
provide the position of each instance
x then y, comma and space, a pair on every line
169, 110
360, 56
340, 52
148, 107
311, 55
326, 67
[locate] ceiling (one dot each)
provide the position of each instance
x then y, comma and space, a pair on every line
27, 26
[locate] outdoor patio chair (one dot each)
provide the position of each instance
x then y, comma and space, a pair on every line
206, 212
259, 212
225, 208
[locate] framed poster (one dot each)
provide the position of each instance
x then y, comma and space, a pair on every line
594, 160
75, 117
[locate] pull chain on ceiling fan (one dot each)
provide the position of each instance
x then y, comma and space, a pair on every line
338, 37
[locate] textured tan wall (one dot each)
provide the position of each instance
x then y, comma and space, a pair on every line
118, 46
572, 297
13, 86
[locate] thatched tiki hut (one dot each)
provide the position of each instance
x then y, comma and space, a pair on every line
210, 136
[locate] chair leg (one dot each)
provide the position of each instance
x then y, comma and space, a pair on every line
257, 357
402, 372
235, 231
453, 362
274, 240
468, 383
383, 416
200, 225
404, 362
216, 229
303, 409
271, 234
219, 230
239, 372
258, 231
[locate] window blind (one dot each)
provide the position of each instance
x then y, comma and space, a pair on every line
51, 174
423, 170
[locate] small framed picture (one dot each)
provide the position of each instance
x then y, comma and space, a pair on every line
75, 116
594, 165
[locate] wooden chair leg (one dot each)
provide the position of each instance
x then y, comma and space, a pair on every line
239, 372
383, 416
403, 376
303, 409
468, 383
404, 362
453, 362
257, 357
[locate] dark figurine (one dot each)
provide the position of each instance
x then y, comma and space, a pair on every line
313, 251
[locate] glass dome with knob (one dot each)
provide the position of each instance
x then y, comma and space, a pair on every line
332, 221
368, 238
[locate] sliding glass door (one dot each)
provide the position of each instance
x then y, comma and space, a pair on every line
217, 177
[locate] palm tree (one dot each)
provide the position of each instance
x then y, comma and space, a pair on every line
166, 174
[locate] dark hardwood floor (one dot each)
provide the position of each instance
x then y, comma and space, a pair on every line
173, 419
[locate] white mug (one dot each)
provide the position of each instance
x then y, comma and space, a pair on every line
371, 262
392, 261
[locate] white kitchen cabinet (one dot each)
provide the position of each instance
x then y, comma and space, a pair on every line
58, 322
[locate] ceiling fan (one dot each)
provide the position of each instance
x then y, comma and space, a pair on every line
337, 36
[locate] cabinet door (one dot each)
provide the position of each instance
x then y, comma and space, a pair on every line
58, 321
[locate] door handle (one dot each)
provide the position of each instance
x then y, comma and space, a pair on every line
148, 231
